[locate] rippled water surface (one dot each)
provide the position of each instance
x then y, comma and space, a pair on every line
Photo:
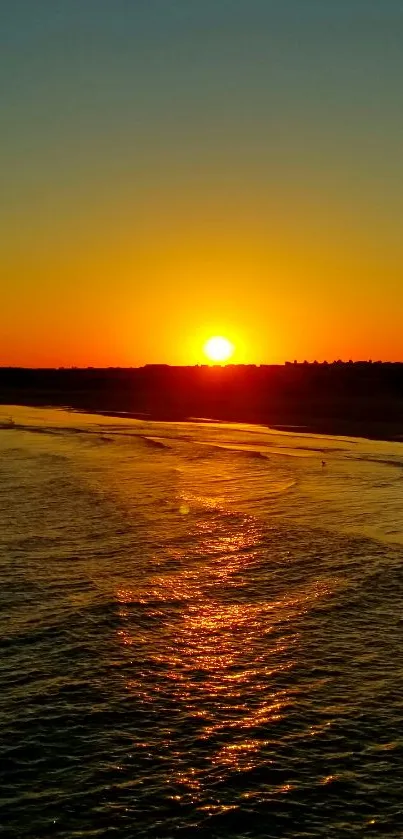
201, 631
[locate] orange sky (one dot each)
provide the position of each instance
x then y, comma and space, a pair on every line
201, 173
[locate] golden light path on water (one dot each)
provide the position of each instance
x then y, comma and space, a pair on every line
205, 653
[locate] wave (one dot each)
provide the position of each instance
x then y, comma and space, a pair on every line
398, 464
153, 442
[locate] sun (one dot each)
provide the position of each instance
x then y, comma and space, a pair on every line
218, 349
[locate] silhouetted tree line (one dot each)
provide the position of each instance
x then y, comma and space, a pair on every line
341, 396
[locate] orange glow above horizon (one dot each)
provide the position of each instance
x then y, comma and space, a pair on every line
164, 187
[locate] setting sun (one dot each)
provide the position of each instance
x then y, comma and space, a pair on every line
218, 349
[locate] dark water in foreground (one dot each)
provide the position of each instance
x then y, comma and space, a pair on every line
201, 631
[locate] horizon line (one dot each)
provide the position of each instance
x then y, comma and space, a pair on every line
206, 366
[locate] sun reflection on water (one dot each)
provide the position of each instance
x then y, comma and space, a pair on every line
220, 650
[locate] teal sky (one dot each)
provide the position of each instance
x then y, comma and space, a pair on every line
246, 150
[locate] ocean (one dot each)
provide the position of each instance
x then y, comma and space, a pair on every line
201, 630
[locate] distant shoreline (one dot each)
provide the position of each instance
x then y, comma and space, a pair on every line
327, 428
386, 432
359, 400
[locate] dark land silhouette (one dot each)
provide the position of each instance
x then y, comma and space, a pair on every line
353, 399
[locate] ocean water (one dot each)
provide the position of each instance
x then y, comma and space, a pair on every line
201, 631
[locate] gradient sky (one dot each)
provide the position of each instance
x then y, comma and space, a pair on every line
173, 169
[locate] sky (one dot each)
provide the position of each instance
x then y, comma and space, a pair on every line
176, 169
